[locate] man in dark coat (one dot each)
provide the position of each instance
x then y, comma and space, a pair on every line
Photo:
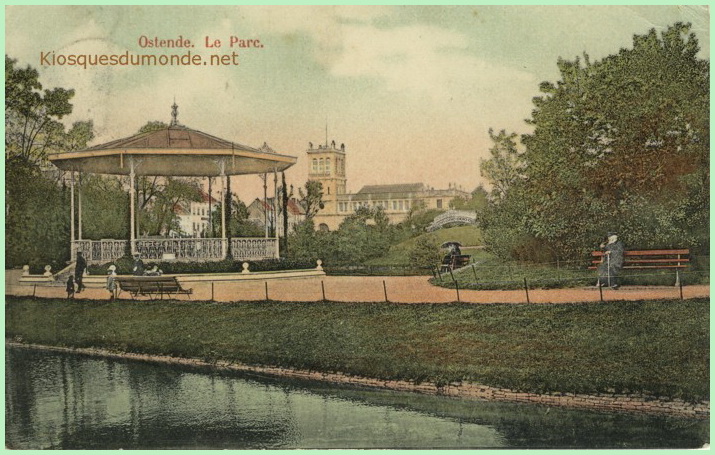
613, 253
79, 268
138, 269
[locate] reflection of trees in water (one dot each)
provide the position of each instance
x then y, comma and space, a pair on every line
68, 401
20, 398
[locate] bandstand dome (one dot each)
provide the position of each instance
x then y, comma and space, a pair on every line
173, 151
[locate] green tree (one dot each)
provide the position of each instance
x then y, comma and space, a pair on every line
312, 198
153, 125
618, 144
105, 204
161, 215
32, 115
37, 218
504, 166
239, 224
426, 253
286, 195
476, 201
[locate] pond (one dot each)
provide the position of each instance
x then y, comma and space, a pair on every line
67, 401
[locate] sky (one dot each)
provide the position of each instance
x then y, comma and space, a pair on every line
411, 91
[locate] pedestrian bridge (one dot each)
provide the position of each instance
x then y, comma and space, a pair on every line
453, 218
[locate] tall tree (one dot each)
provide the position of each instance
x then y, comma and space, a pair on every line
504, 166
286, 195
32, 115
620, 144
312, 198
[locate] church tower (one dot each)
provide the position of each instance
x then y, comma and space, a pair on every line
327, 166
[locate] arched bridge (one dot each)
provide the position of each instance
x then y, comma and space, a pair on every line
452, 217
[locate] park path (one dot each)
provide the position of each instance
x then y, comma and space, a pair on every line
399, 289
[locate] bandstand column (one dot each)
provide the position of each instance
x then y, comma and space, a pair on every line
132, 197
223, 178
265, 203
275, 209
79, 206
73, 253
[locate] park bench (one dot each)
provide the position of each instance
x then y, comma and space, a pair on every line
455, 262
649, 259
152, 286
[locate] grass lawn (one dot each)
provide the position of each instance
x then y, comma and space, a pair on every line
654, 347
469, 236
489, 272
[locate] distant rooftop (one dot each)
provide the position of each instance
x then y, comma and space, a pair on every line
396, 188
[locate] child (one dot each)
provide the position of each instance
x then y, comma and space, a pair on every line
111, 282
70, 287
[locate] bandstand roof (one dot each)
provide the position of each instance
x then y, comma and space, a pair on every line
173, 151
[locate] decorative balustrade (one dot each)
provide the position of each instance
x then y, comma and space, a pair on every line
193, 249
99, 251
181, 249
251, 249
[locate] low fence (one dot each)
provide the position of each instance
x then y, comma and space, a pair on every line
399, 290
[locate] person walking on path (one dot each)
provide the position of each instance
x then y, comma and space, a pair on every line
79, 268
610, 268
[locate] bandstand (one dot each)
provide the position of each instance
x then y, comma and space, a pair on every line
173, 151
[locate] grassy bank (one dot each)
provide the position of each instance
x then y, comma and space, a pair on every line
489, 272
655, 347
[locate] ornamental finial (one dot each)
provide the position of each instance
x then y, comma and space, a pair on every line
174, 114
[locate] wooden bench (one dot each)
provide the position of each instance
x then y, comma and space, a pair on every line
455, 262
649, 259
152, 286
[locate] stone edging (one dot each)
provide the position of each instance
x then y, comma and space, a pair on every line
631, 403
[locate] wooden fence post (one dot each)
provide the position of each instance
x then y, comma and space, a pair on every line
526, 288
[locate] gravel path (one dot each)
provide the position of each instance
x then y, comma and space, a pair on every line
371, 289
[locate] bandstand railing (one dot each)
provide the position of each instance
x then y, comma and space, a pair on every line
186, 249
247, 249
99, 251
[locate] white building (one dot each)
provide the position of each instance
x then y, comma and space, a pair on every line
194, 217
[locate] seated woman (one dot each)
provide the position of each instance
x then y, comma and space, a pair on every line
154, 271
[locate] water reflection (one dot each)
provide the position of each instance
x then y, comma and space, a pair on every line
64, 401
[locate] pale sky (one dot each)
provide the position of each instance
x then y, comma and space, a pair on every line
410, 90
